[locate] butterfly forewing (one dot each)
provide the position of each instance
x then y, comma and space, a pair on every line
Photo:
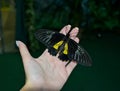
78, 54
47, 37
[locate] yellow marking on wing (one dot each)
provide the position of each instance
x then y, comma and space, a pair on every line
57, 45
66, 49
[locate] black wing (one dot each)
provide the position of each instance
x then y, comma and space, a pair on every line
78, 54
48, 37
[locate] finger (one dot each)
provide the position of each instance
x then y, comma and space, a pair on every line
23, 51
76, 39
72, 64
74, 32
70, 67
65, 29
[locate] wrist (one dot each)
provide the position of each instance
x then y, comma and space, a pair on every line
38, 87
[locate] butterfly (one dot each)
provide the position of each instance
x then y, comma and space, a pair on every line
68, 49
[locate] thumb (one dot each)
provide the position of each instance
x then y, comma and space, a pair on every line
23, 51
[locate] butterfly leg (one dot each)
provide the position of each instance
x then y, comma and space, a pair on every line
67, 63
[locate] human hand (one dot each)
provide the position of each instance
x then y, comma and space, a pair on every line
47, 72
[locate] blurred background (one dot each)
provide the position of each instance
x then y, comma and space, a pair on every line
99, 24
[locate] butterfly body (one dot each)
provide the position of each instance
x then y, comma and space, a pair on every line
61, 45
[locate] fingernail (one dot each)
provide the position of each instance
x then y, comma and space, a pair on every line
17, 43
68, 25
76, 28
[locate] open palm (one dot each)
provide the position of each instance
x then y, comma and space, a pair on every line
47, 72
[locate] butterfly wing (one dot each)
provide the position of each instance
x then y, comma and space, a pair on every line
49, 38
78, 54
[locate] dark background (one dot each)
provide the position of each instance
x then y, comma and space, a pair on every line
99, 23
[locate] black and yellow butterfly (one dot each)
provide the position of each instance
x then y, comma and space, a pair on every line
61, 44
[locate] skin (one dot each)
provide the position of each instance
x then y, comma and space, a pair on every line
47, 72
